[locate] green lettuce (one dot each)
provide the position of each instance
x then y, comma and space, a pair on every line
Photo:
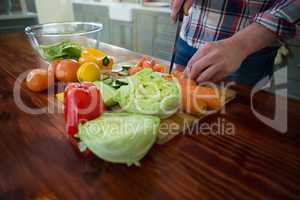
149, 93
120, 137
62, 50
107, 93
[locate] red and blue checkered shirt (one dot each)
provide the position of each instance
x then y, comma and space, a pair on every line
212, 20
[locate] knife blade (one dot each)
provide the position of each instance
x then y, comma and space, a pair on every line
179, 24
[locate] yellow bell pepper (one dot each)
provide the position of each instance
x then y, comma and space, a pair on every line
106, 62
92, 52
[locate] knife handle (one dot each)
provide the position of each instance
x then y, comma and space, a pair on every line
181, 13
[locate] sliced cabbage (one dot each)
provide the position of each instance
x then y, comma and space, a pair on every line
107, 93
120, 137
149, 93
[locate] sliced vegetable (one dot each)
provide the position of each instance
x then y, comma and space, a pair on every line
149, 63
146, 62
148, 92
120, 137
197, 98
159, 68
108, 81
62, 50
210, 95
192, 103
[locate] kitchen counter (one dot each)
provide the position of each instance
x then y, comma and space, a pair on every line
18, 15
132, 5
17, 21
38, 162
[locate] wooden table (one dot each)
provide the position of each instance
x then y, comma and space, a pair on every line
37, 161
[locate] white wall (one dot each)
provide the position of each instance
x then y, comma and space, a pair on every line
54, 10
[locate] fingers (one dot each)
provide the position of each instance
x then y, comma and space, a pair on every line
200, 66
208, 74
195, 57
186, 7
202, 52
219, 76
175, 6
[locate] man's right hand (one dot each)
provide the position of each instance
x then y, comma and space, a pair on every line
176, 5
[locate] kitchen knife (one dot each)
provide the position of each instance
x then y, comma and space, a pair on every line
179, 24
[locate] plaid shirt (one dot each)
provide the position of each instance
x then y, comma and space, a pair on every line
211, 20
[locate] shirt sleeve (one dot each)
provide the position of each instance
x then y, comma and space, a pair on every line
283, 18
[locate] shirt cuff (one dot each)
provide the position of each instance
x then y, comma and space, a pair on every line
281, 27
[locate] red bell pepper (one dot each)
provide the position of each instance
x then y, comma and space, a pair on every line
82, 102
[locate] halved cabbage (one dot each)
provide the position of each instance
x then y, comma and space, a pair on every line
149, 93
120, 137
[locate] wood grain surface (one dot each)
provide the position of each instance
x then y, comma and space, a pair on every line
38, 162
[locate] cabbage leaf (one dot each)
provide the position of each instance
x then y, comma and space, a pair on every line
149, 93
120, 137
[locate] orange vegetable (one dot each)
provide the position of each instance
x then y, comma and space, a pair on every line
159, 68
177, 74
146, 62
141, 61
149, 63
187, 82
210, 95
37, 80
192, 104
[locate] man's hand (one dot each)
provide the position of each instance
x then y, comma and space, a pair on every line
176, 5
216, 60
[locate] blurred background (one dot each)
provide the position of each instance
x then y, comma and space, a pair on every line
140, 25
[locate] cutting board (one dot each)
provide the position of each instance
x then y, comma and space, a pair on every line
181, 121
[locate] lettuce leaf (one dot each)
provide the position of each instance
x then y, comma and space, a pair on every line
62, 50
120, 137
149, 93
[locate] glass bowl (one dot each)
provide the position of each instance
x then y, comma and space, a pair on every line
85, 34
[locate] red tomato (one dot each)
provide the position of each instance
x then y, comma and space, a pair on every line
52, 69
159, 68
149, 63
141, 61
66, 70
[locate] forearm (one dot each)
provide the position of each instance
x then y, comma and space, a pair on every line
253, 38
